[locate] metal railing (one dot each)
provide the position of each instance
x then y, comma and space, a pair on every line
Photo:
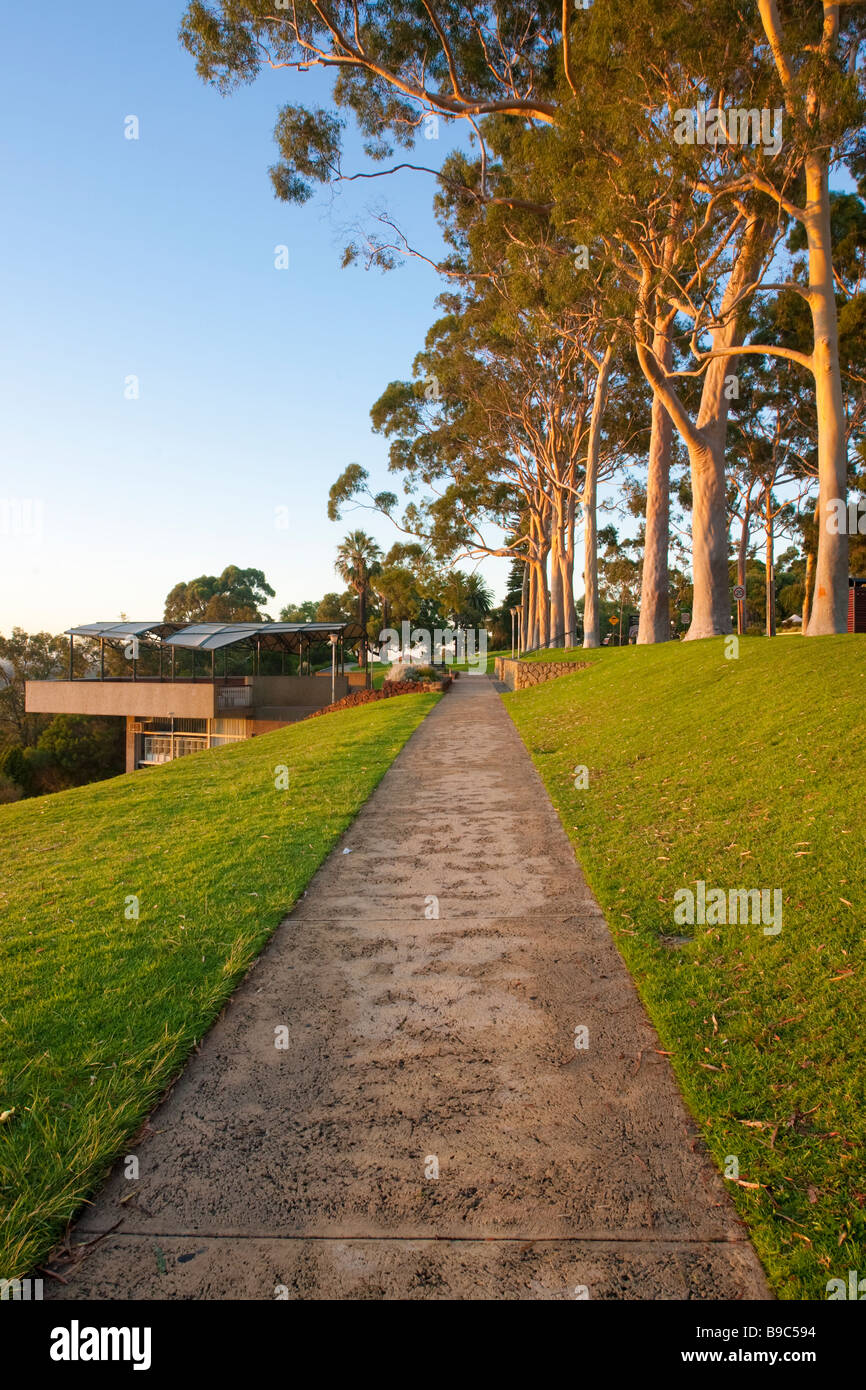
234, 696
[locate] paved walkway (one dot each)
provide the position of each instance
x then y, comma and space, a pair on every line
416, 1040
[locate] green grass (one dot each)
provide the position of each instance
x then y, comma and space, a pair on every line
98, 1011
744, 773
491, 658
568, 653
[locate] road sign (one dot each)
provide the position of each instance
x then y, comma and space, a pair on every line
685, 617
739, 592
614, 620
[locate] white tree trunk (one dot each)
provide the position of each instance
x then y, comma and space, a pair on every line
655, 619
770, 576
830, 602
557, 565
591, 618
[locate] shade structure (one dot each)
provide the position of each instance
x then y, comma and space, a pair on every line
122, 630
212, 637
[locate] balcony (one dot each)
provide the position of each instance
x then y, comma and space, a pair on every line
234, 697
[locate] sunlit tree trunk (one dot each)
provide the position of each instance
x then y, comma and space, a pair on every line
655, 618
569, 613
542, 600
770, 565
830, 603
530, 639
809, 578
705, 440
591, 619
741, 563
557, 565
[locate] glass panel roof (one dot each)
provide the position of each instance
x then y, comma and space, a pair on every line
214, 636
120, 629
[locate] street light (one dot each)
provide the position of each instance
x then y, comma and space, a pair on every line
515, 613
333, 638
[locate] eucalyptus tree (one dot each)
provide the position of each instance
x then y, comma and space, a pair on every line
236, 595
519, 271
555, 70
775, 419
652, 205
809, 62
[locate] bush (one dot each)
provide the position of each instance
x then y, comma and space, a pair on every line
84, 748
15, 768
9, 790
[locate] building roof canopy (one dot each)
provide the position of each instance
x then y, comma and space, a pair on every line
209, 637
122, 630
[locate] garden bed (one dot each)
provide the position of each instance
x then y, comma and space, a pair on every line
365, 697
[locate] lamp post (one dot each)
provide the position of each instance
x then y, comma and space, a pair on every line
514, 616
333, 638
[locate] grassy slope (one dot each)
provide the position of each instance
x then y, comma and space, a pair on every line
98, 1012
744, 773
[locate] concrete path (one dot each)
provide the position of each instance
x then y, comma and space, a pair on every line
416, 1041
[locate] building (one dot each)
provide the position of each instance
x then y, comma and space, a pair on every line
185, 687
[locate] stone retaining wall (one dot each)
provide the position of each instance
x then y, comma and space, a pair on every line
519, 675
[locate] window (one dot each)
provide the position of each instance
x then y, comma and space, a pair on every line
156, 750
233, 728
184, 746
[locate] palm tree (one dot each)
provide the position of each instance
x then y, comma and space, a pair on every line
477, 598
359, 561
472, 599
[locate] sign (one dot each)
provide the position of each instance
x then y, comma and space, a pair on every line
685, 617
739, 592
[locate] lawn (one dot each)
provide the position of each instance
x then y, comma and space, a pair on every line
99, 1008
566, 653
474, 667
744, 773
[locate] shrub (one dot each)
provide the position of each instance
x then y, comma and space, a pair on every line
14, 766
85, 748
9, 790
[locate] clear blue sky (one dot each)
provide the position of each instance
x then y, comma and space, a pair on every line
155, 258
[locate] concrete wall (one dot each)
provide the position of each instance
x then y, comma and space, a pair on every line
311, 692
183, 699
519, 675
